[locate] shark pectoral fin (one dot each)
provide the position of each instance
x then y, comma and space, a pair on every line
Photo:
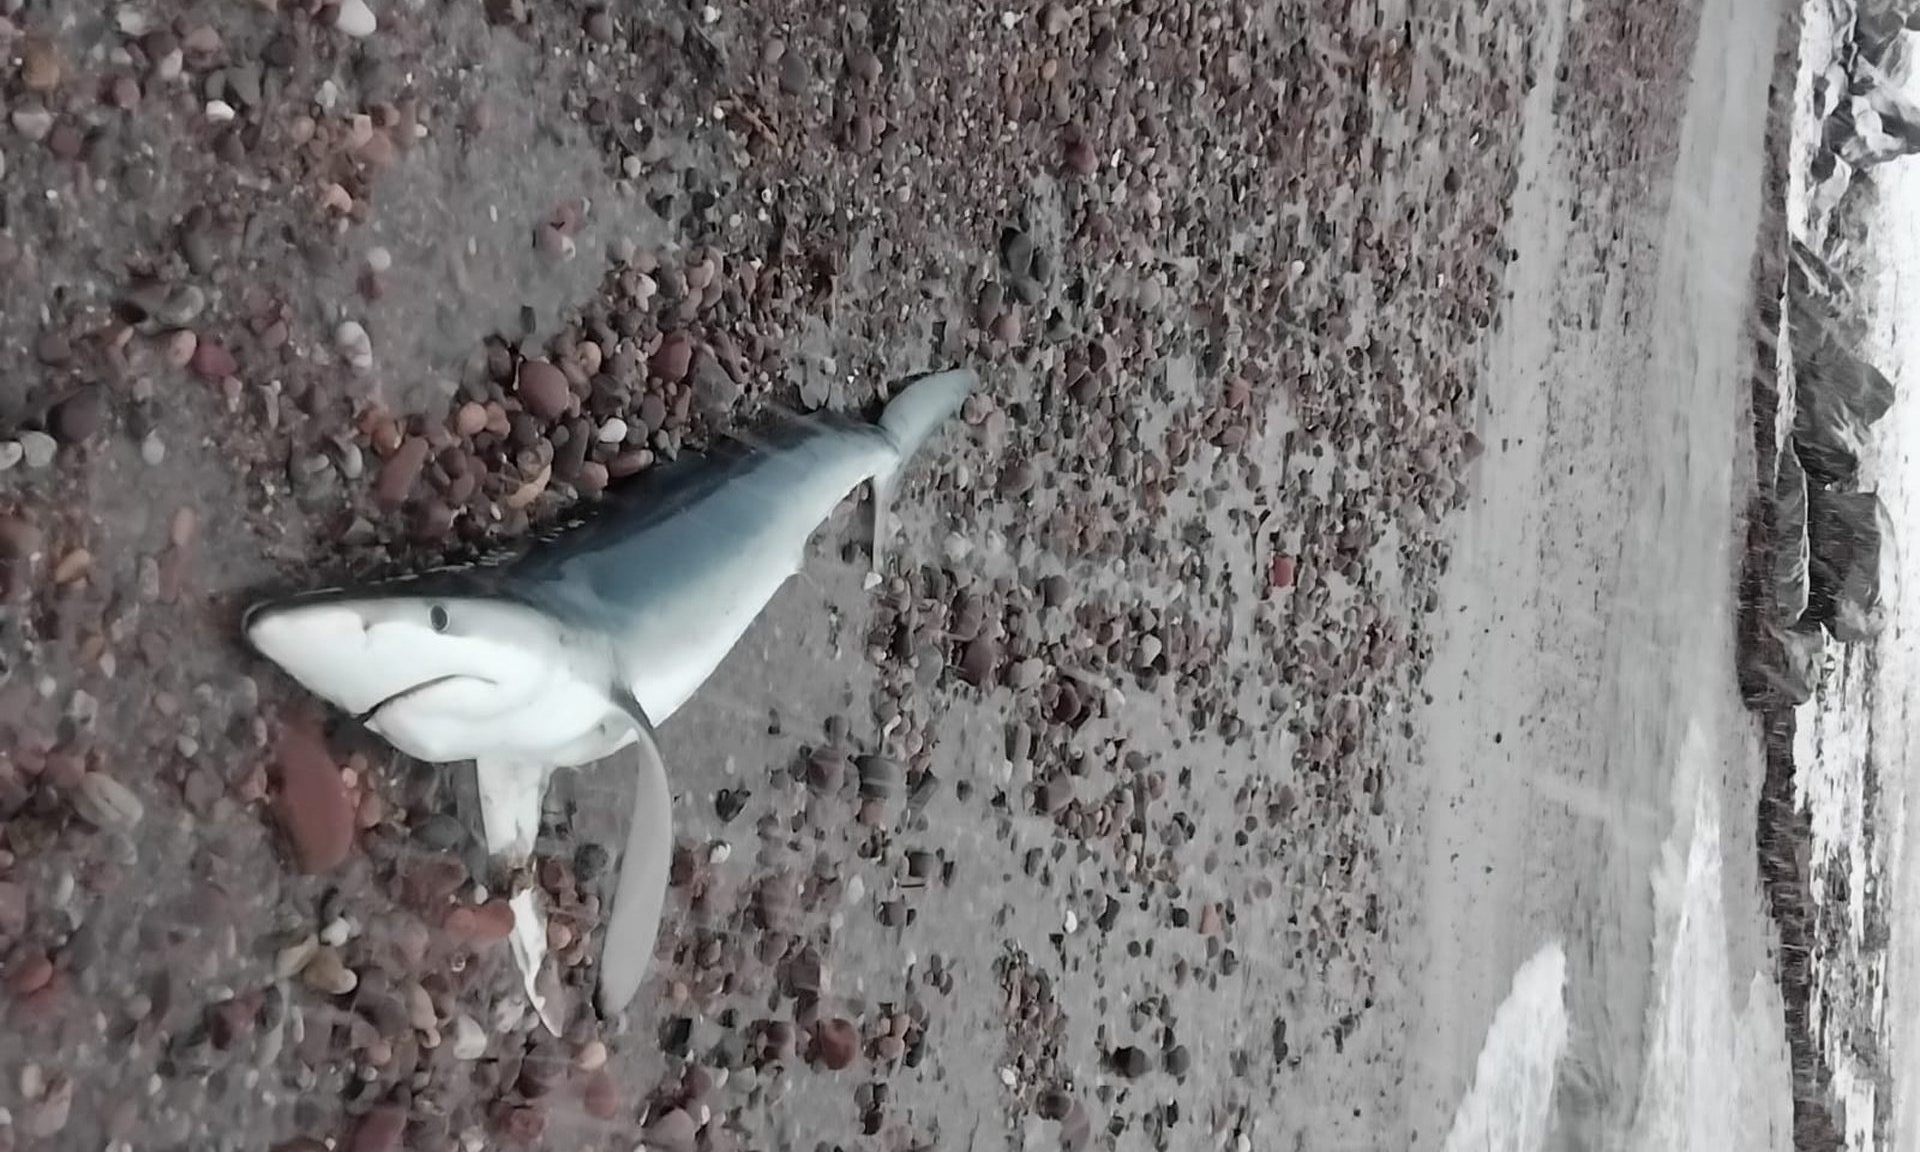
640, 894
511, 793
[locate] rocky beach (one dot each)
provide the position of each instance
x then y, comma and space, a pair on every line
1258, 675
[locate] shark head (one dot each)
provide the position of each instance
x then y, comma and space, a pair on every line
440, 677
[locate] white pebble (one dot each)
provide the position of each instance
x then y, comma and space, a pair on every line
11, 454
354, 343
153, 450
38, 449
219, 111
336, 933
1072, 922
106, 803
469, 1039
379, 260
614, 431
720, 853
355, 19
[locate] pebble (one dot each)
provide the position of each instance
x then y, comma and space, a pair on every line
77, 420
33, 123
180, 347
1178, 1060
380, 1130
470, 420
543, 390
601, 1097
469, 1039
38, 449
492, 921
355, 19
835, 1043
153, 450
881, 777
49, 1114
11, 453
106, 803
312, 805
673, 359
295, 957
327, 974
1131, 1062
420, 1013
28, 973
212, 362
592, 1056
674, 1131
40, 65
353, 342
401, 472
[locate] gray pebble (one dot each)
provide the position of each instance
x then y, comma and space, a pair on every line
11, 453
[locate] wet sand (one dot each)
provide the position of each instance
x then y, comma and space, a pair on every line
1118, 814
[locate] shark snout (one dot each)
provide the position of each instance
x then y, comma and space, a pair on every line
329, 650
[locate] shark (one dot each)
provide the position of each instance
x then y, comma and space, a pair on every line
575, 644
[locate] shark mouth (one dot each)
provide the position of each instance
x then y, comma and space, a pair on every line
409, 693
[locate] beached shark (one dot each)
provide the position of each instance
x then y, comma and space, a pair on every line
579, 643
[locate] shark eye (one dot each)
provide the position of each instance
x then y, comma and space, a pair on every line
437, 617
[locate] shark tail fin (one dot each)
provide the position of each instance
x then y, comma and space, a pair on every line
909, 420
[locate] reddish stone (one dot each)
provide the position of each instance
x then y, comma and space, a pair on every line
46, 1004
1280, 575
401, 472
492, 921
543, 390
602, 1098
379, 1130
673, 358
213, 362
525, 1125
312, 805
29, 972
835, 1043
431, 880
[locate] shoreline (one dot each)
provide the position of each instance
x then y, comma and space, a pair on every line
1780, 825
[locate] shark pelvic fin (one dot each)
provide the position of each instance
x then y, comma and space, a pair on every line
512, 792
640, 893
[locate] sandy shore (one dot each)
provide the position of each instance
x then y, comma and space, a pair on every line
1160, 797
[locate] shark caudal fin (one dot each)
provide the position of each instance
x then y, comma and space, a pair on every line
909, 420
